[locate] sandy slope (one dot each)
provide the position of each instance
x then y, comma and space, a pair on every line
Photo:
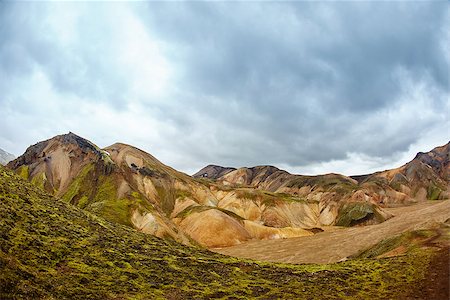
333, 246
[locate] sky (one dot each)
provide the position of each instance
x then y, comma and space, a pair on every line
309, 87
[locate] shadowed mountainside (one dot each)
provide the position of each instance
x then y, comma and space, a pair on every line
50, 249
213, 172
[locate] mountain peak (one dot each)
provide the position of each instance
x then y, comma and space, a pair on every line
60, 142
213, 171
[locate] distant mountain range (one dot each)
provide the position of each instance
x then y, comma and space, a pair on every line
5, 157
219, 206
425, 177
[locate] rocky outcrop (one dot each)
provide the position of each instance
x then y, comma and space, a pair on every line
425, 177
213, 172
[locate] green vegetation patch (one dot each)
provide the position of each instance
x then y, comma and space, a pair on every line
332, 183
39, 180
409, 240
166, 196
106, 190
433, 192
354, 213
114, 210
24, 172
77, 184
181, 194
190, 210
266, 197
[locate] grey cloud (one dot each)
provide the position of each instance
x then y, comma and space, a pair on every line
289, 83
82, 69
308, 79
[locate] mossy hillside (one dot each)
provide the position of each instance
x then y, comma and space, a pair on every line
97, 192
433, 191
106, 204
81, 185
267, 198
53, 250
324, 183
24, 172
190, 210
40, 180
409, 241
166, 195
198, 209
354, 213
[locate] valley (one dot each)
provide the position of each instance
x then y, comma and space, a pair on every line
343, 243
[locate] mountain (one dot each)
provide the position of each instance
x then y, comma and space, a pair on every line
50, 249
131, 187
5, 157
425, 177
213, 172
128, 186
113, 183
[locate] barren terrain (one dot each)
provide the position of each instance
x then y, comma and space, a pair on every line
336, 245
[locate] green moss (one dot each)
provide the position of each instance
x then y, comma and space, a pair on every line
409, 240
330, 183
106, 190
23, 172
191, 209
106, 204
231, 214
114, 210
433, 192
83, 202
352, 213
136, 195
77, 184
39, 180
181, 194
166, 196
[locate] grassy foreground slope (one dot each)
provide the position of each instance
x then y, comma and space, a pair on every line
52, 250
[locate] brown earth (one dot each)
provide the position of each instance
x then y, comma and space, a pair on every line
337, 245
436, 285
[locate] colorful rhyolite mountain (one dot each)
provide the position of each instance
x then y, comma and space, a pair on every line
226, 206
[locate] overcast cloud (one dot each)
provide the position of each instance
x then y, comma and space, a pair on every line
349, 87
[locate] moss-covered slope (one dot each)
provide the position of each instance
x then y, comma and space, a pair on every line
53, 250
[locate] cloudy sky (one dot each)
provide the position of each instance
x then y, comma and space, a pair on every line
313, 88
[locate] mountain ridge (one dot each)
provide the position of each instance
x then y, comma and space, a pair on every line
126, 185
272, 179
